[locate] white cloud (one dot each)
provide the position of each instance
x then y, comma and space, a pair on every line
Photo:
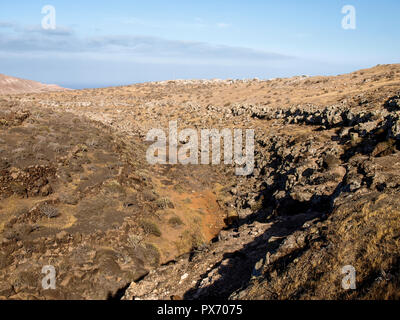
34, 40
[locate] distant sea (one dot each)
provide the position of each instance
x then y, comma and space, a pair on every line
76, 86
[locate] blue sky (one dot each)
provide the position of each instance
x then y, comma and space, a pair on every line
104, 43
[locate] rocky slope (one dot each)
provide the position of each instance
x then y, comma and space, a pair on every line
12, 85
323, 195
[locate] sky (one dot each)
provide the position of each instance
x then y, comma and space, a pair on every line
98, 43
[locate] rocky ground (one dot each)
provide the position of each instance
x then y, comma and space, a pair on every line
78, 193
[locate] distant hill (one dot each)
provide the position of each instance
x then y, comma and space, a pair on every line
12, 85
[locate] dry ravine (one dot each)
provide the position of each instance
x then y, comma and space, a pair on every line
76, 191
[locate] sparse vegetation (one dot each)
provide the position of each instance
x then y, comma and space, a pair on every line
49, 211
150, 228
164, 203
175, 221
152, 254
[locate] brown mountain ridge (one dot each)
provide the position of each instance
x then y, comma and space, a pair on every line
13, 85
